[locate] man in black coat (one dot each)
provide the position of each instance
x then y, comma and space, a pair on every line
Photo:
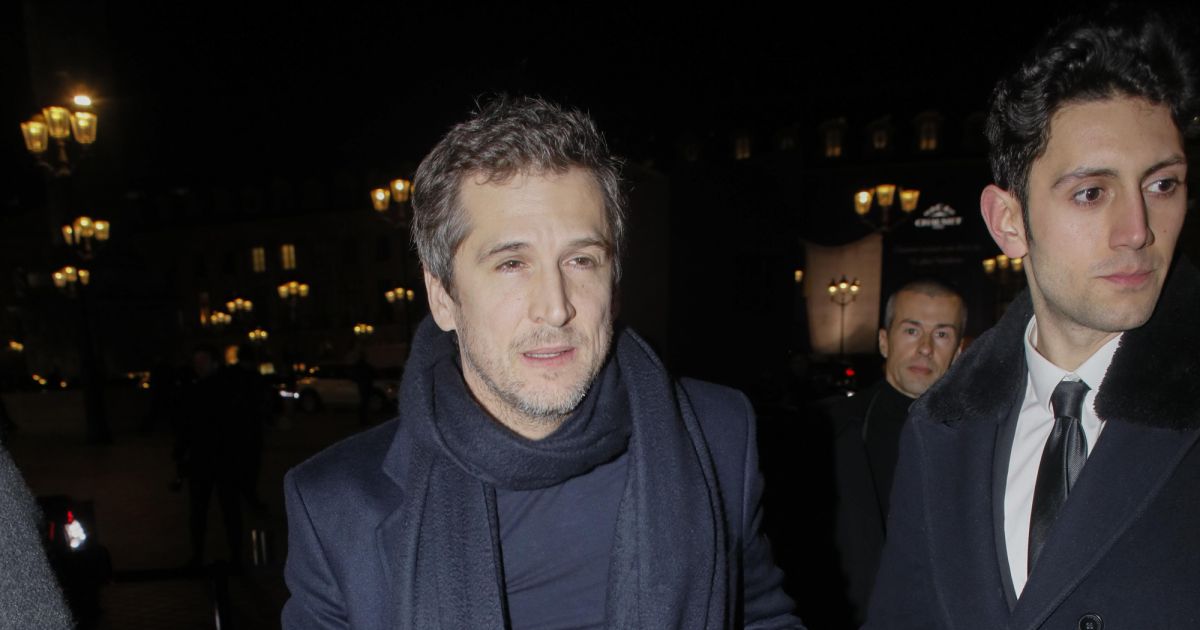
1050, 480
921, 336
543, 471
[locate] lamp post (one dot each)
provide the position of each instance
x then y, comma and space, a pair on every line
292, 293
60, 125
391, 203
240, 309
402, 297
843, 292
84, 235
72, 281
884, 196
1007, 275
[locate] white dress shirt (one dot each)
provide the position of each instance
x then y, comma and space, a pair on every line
1033, 429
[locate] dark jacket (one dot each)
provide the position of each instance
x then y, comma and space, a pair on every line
863, 479
1125, 550
340, 563
29, 593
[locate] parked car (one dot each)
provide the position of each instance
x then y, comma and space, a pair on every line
336, 386
81, 563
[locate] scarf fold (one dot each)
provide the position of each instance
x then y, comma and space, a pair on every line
668, 567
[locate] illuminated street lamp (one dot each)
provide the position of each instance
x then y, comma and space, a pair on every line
67, 278
292, 290
1003, 263
399, 294
239, 305
60, 124
83, 234
71, 280
884, 196
843, 292
218, 318
257, 336
363, 330
397, 194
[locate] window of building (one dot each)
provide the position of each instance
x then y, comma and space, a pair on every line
833, 142
928, 136
879, 139
287, 256
928, 126
832, 133
258, 259
741, 147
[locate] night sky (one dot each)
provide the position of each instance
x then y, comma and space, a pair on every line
290, 89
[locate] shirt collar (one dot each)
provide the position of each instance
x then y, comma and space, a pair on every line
1045, 376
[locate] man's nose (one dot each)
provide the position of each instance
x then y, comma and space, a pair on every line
550, 302
925, 345
1130, 223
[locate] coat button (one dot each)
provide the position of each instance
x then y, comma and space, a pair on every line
1091, 621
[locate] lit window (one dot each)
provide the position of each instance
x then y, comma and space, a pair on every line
741, 148
928, 136
287, 256
833, 142
879, 139
258, 259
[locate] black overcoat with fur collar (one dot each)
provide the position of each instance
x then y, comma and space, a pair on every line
1125, 550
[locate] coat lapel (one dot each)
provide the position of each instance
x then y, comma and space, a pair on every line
1122, 477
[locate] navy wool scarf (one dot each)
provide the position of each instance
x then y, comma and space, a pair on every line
669, 561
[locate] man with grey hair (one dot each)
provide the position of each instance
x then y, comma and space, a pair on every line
543, 472
921, 336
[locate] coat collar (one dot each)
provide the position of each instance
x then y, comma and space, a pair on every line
1154, 379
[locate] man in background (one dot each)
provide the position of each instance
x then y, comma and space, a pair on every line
921, 336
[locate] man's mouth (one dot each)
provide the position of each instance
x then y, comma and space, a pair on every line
1131, 279
553, 355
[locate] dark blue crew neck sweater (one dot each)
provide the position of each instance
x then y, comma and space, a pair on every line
555, 544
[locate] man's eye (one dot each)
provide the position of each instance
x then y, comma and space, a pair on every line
510, 265
910, 331
1088, 196
584, 262
1164, 186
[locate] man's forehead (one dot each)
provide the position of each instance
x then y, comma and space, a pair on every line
1098, 136
928, 308
514, 211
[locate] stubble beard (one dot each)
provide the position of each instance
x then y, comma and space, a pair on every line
1087, 311
539, 409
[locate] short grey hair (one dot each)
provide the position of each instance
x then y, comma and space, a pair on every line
505, 137
932, 288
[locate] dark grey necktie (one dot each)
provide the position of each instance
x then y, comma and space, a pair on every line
1062, 460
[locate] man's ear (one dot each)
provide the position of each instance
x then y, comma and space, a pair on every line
441, 305
883, 342
1002, 214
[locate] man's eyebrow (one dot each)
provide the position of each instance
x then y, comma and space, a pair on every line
1171, 161
591, 241
507, 246
1083, 173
